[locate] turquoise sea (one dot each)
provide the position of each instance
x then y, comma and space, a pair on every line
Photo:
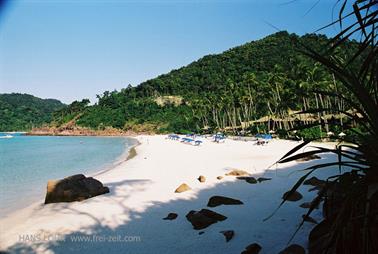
28, 162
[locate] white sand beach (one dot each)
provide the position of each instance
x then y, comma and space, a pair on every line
129, 219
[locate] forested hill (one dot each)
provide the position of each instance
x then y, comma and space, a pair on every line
20, 112
264, 77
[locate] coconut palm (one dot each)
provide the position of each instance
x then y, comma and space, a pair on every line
351, 198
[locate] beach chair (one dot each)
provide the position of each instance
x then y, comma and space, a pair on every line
197, 142
219, 138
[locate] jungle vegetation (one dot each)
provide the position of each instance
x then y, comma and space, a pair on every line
21, 112
349, 198
232, 92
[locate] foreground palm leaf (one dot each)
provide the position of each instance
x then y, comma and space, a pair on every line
351, 198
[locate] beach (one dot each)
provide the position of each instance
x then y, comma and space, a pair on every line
129, 219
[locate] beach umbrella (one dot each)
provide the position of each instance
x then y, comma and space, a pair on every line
330, 133
342, 134
272, 131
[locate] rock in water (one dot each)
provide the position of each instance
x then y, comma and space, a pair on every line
220, 200
73, 188
228, 234
253, 248
293, 249
295, 196
237, 172
183, 187
263, 179
204, 218
202, 179
171, 216
248, 179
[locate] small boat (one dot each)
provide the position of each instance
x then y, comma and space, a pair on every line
6, 136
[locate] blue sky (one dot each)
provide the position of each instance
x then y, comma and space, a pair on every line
71, 50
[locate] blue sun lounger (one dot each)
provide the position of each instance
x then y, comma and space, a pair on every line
197, 142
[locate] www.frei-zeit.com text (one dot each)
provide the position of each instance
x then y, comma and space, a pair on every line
35, 238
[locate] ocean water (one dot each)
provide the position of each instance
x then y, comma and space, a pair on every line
28, 162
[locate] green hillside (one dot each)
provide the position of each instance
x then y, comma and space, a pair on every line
223, 91
20, 112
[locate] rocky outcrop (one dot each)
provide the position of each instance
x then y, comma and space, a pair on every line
204, 218
293, 249
228, 234
171, 216
73, 188
295, 196
253, 248
74, 130
183, 187
237, 172
202, 179
220, 200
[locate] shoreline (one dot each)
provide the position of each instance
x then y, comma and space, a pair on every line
125, 156
80, 131
142, 193
91, 172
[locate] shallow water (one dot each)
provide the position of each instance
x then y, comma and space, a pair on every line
28, 162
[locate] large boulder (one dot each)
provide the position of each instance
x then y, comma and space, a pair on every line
220, 200
73, 188
183, 187
204, 218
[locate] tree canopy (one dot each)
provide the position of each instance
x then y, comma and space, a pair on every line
227, 91
21, 112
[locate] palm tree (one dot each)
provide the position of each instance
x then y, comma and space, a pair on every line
350, 206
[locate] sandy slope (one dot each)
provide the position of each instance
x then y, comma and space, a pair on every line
142, 193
